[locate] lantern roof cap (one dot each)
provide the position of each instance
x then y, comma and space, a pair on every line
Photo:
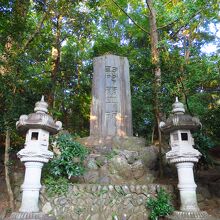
38, 120
178, 120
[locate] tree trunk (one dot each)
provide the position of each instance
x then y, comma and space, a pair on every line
19, 15
56, 52
187, 45
7, 177
157, 74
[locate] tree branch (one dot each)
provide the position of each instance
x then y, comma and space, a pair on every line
38, 29
166, 25
182, 26
148, 6
134, 22
32, 36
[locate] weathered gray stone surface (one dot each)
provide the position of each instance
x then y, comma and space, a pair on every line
111, 98
199, 215
99, 202
116, 142
123, 161
30, 216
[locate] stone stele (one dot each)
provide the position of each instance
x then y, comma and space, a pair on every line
116, 157
111, 98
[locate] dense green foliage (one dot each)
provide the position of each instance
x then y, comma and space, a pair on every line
47, 47
67, 162
68, 158
160, 206
203, 143
56, 186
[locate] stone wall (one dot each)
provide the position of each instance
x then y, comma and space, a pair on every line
101, 202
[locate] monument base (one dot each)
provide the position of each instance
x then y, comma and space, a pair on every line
119, 160
115, 142
30, 216
199, 215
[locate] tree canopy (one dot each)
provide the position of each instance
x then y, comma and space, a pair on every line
47, 47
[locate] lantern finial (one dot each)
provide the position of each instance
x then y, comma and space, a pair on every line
42, 98
41, 106
178, 107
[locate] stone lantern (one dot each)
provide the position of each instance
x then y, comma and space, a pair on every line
37, 126
179, 126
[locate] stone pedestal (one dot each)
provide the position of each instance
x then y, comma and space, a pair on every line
33, 160
31, 187
189, 209
196, 215
187, 187
119, 160
30, 216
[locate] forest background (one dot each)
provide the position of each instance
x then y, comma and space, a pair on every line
47, 47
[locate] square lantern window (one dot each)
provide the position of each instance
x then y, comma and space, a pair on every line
184, 136
34, 136
175, 137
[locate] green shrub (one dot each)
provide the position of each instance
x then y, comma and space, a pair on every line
68, 157
56, 186
203, 144
160, 205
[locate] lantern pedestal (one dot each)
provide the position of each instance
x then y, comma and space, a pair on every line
30, 216
189, 209
34, 160
184, 162
187, 187
31, 187
197, 215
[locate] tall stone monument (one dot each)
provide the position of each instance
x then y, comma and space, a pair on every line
116, 156
111, 98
